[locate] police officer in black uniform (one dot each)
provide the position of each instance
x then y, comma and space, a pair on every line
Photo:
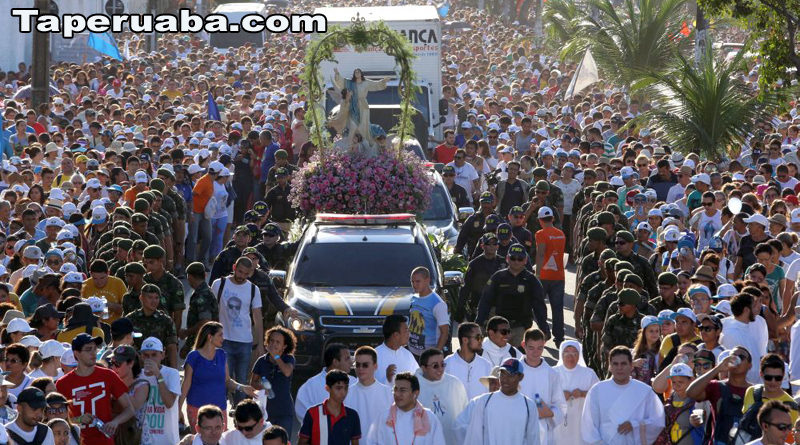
223, 263
478, 273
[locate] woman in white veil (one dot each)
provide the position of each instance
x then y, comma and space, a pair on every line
576, 379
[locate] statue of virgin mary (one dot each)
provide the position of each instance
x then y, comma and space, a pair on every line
358, 108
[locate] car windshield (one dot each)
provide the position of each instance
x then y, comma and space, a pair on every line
440, 206
362, 264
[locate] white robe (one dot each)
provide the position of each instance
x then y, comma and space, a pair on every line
609, 405
497, 419
469, 373
735, 333
495, 354
402, 358
545, 381
312, 392
446, 398
580, 377
369, 402
403, 432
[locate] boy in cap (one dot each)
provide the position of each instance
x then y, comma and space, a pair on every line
161, 409
134, 277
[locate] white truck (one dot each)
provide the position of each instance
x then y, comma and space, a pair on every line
421, 25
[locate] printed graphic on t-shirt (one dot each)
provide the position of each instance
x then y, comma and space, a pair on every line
416, 328
234, 310
85, 397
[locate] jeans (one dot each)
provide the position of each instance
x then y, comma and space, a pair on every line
217, 236
238, 356
200, 227
554, 291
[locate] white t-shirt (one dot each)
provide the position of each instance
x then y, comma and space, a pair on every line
369, 402
464, 177
788, 184
160, 422
510, 411
569, 191
707, 226
36, 373
28, 436
402, 358
793, 270
234, 308
221, 197
25, 383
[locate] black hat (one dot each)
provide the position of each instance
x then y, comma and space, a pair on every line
251, 216
154, 252
517, 250
47, 311
242, 228
448, 170
261, 207
271, 230
197, 269
122, 327
82, 340
123, 353
33, 397
135, 268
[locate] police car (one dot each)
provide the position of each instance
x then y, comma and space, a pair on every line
349, 273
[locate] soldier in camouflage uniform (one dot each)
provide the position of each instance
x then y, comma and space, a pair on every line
668, 297
606, 221
175, 205
172, 299
152, 322
134, 280
623, 327
203, 306
135, 255
139, 223
632, 281
554, 198
641, 266
591, 335
589, 263
591, 280
121, 258
142, 206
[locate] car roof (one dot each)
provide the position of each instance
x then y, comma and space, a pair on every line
336, 233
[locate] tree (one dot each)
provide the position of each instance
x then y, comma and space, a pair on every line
707, 108
631, 39
774, 24
562, 18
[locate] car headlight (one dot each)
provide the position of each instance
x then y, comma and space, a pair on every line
300, 322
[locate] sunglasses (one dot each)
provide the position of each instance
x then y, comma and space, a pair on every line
708, 328
437, 366
504, 331
517, 258
247, 429
772, 378
621, 243
364, 365
780, 426
494, 243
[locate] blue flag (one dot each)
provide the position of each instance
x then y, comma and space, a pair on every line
105, 43
213, 112
443, 9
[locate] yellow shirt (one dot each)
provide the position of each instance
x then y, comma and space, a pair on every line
68, 336
666, 345
748, 400
112, 291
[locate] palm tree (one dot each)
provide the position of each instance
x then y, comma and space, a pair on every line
562, 18
705, 108
631, 39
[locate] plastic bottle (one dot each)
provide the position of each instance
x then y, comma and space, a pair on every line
538, 400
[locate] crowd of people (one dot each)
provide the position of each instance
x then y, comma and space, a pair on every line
121, 194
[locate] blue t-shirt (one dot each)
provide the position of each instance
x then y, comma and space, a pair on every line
281, 385
208, 380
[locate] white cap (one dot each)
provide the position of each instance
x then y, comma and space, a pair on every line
686, 312
644, 226
68, 208
215, 167
73, 277
152, 344
93, 183
99, 215
99, 305
545, 212
31, 341
655, 212
18, 325
54, 222
726, 291
68, 359
796, 215
702, 177
140, 177
51, 348
225, 172
680, 370
723, 306
758, 219
194, 168
672, 236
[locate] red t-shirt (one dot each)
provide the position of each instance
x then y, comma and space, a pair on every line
92, 394
445, 153
553, 265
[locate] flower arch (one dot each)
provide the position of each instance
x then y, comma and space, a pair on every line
361, 36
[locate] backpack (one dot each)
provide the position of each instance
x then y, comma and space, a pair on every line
222, 286
671, 416
41, 434
749, 429
727, 412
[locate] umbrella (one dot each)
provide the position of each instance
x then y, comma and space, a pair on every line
25, 92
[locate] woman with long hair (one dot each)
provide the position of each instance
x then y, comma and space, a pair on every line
206, 379
306, 151
125, 362
645, 350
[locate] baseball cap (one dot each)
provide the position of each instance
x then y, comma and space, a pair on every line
84, 339
68, 358
140, 178
702, 177
32, 253
512, 366
758, 219
545, 212
99, 214
686, 312
726, 291
648, 320
487, 197
30, 341
666, 315
123, 326
261, 207
680, 370
18, 325
33, 397
724, 307
51, 348
504, 231
152, 344
215, 167
123, 353
516, 250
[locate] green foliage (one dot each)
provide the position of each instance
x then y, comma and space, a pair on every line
562, 18
447, 255
361, 37
629, 40
706, 109
773, 24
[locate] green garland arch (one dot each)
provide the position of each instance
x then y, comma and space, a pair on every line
361, 37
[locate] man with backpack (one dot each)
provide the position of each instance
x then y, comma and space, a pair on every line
726, 397
756, 396
27, 428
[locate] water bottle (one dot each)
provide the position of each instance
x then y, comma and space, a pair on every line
267, 388
538, 400
97, 423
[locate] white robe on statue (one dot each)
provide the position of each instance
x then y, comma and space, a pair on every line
580, 377
312, 392
545, 381
446, 398
497, 419
369, 402
609, 405
403, 433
